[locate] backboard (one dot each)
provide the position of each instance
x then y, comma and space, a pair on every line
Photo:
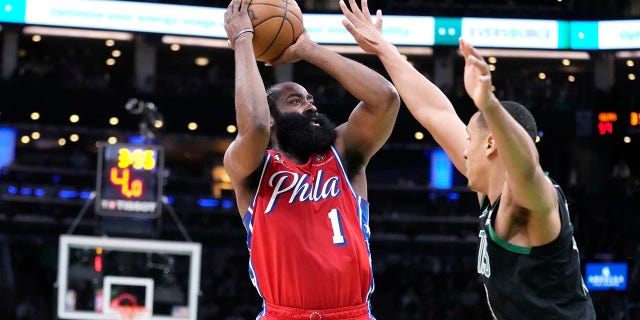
96, 273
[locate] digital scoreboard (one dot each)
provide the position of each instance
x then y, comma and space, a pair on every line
129, 180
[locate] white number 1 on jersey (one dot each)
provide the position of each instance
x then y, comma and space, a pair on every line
336, 225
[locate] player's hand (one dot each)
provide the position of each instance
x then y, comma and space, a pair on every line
236, 19
358, 22
295, 52
477, 77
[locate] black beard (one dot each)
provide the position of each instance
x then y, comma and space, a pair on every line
298, 134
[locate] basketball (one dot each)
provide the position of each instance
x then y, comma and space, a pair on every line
277, 24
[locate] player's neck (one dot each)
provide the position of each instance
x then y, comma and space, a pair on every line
292, 157
496, 179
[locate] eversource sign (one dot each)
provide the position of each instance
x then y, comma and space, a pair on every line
606, 276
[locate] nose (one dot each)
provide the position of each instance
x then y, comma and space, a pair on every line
310, 108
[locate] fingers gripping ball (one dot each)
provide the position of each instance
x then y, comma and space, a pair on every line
277, 24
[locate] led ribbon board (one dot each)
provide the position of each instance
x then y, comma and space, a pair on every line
410, 30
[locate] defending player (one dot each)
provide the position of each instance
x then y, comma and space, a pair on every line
527, 258
300, 181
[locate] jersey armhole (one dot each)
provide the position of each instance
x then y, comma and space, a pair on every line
267, 159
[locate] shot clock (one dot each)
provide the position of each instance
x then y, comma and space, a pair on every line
129, 180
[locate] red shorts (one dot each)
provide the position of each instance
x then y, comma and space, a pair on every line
359, 312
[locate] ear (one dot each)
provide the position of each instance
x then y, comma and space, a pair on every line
490, 145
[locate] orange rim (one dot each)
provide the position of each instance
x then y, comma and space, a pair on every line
129, 312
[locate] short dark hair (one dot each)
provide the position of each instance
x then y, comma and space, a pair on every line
273, 93
520, 113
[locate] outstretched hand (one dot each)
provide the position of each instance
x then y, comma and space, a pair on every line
359, 23
477, 77
236, 20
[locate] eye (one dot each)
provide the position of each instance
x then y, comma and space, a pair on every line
296, 101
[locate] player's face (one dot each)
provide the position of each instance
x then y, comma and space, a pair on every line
475, 154
300, 129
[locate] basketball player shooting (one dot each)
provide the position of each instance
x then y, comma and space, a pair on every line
527, 258
300, 181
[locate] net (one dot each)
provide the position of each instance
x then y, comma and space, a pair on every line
131, 312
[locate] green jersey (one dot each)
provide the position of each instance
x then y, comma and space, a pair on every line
543, 282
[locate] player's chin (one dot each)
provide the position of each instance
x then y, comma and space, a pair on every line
470, 184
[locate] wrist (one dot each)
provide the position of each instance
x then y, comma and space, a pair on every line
491, 102
246, 37
242, 34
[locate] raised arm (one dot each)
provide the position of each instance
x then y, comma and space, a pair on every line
426, 102
246, 152
371, 122
527, 185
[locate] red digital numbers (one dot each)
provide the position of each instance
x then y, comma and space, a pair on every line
121, 176
606, 120
127, 188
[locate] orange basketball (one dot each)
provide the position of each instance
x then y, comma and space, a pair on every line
277, 24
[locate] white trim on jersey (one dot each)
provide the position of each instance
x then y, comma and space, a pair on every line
344, 172
264, 169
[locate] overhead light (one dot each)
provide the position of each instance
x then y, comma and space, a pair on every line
194, 41
627, 54
535, 54
202, 61
405, 50
348, 49
416, 51
78, 33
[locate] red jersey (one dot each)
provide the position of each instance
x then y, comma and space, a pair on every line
308, 235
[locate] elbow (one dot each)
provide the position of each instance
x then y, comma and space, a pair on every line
391, 96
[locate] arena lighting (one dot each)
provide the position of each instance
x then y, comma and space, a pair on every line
346, 49
78, 33
536, 54
627, 54
12, 190
406, 50
208, 203
67, 194
227, 204
194, 41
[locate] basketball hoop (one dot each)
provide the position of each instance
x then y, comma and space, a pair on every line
125, 312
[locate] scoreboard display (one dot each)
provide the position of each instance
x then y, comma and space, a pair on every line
129, 180
618, 123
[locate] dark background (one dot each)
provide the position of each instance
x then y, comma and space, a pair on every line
423, 240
